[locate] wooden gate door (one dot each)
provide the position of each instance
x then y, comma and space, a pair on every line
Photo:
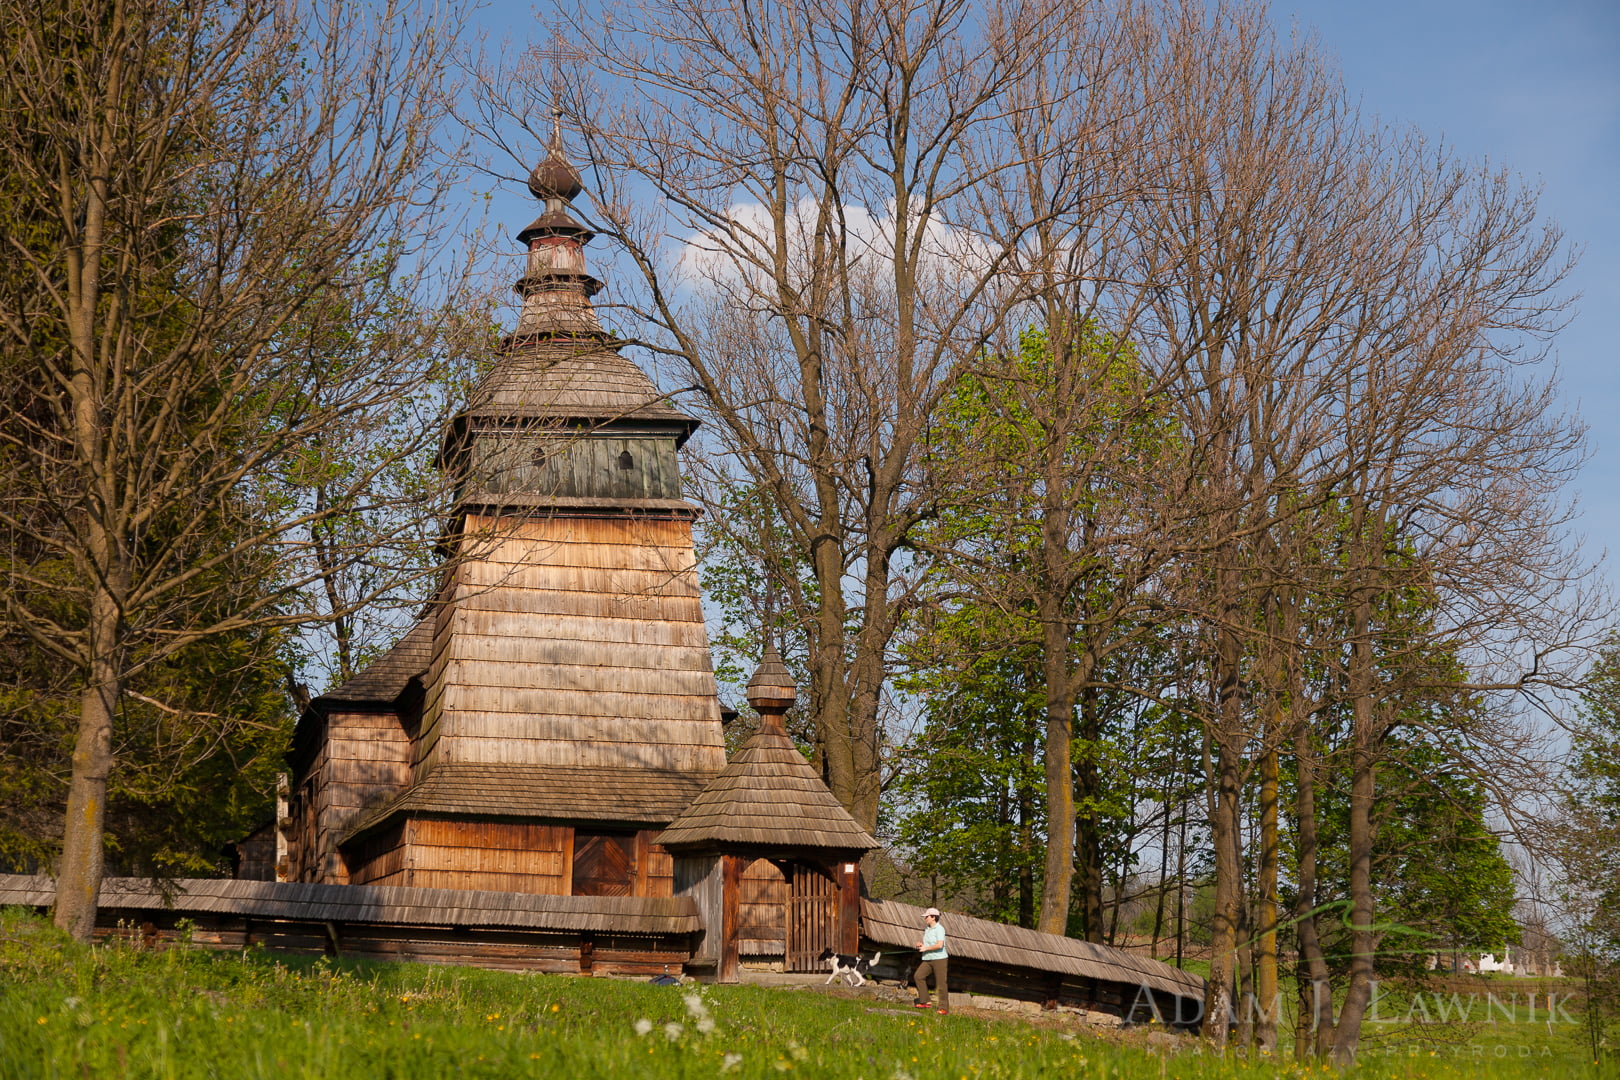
812, 917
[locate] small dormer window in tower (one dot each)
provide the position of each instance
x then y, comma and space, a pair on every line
537, 456
626, 461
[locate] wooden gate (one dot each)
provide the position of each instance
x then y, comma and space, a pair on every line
812, 917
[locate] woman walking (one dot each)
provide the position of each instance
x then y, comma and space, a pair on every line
932, 947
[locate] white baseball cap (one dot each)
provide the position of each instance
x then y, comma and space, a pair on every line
934, 911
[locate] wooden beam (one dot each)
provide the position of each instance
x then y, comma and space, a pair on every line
849, 907
731, 868
638, 870
587, 952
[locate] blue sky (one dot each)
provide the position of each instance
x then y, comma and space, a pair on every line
1534, 87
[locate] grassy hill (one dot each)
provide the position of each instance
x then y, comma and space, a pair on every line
70, 1011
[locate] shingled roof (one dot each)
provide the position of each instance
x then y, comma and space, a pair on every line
767, 796
643, 796
385, 678
571, 380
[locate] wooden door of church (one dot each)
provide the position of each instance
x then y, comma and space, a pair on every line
604, 863
812, 917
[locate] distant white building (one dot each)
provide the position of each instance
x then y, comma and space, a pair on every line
1526, 962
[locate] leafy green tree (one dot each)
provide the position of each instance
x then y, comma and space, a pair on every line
970, 796
1046, 460
209, 174
1585, 846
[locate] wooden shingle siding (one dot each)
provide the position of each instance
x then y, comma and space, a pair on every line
548, 656
639, 797
613, 614
570, 380
363, 760
484, 580
600, 753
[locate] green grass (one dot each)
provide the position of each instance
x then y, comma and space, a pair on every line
71, 1011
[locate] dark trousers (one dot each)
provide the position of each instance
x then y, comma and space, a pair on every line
936, 968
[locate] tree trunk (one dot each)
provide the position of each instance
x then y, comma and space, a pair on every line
1279, 640
1026, 844
1088, 822
78, 878
1363, 939
1265, 948
1057, 886
1314, 1033
829, 675
1225, 831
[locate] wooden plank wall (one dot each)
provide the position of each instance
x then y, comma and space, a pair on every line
762, 915
700, 877
499, 856
590, 465
364, 759
576, 641
380, 858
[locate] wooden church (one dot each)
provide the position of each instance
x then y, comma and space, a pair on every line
535, 776
556, 711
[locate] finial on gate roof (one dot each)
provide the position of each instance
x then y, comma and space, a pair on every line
771, 691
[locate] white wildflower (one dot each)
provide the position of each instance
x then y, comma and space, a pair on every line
673, 1031
643, 1026
731, 1061
705, 1024
797, 1052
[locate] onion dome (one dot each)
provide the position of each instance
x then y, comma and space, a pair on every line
555, 177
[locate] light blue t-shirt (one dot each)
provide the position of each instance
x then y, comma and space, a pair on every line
934, 943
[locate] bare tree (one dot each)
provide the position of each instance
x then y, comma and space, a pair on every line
814, 267
222, 195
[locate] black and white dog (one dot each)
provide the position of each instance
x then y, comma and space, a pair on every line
848, 966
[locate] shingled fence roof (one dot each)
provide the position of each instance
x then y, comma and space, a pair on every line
386, 904
888, 922
767, 796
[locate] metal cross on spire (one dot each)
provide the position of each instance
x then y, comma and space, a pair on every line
558, 53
